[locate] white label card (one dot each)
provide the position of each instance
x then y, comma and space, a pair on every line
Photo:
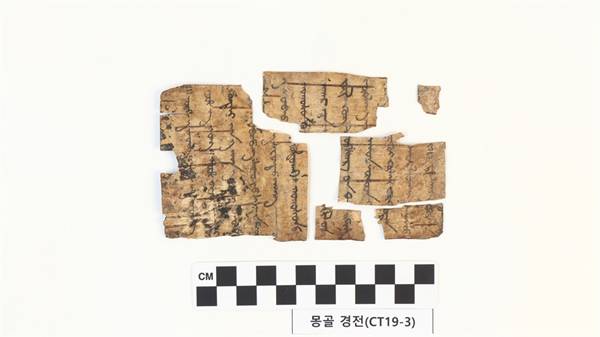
397, 322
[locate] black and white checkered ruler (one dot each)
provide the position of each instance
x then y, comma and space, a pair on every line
313, 284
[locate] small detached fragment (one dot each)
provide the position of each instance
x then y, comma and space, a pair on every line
429, 98
411, 222
338, 224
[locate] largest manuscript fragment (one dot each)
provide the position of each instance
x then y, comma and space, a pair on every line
233, 177
380, 171
324, 102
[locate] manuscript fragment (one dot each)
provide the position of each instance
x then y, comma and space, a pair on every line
322, 101
412, 221
429, 98
233, 178
338, 224
380, 171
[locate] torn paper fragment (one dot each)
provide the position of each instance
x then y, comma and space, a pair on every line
338, 224
411, 222
429, 98
380, 171
323, 101
233, 178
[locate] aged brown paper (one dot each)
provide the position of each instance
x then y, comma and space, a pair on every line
412, 221
338, 224
233, 177
323, 101
380, 171
429, 98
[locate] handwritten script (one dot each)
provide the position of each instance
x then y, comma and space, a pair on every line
233, 178
412, 221
324, 102
338, 224
380, 171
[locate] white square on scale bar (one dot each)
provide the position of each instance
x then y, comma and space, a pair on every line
305, 295
425, 294
266, 296
246, 274
226, 297
345, 294
325, 273
365, 273
405, 273
285, 274
385, 294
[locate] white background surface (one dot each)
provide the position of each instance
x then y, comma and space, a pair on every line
83, 251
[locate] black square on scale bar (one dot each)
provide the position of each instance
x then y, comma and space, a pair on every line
226, 276
385, 274
404, 294
266, 276
246, 295
424, 274
345, 274
364, 294
206, 296
286, 295
306, 275
325, 294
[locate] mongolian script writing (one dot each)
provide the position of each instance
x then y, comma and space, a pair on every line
412, 221
338, 224
234, 178
380, 171
324, 102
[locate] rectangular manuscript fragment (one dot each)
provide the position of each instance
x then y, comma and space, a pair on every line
380, 171
338, 224
233, 178
324, 101
412, 221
